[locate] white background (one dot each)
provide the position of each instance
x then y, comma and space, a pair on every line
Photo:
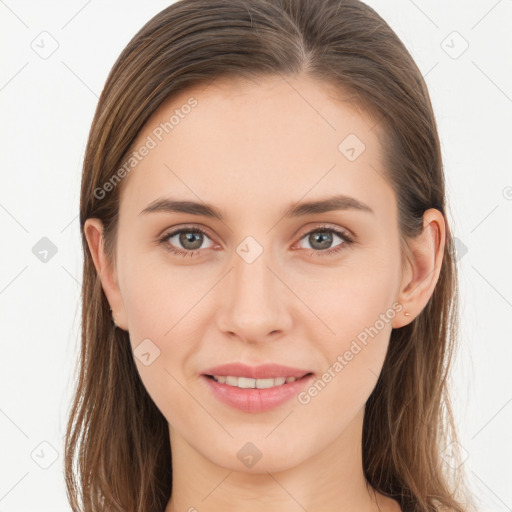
47, 106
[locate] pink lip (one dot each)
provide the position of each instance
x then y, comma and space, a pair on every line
256, 400
265, 371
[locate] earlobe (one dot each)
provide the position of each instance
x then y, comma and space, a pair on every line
93, 230
425, 261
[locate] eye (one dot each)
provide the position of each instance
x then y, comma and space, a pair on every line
191, 239
321, 239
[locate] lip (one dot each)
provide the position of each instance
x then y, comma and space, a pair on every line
256, 400
265, 371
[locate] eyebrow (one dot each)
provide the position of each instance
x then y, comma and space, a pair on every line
338, 202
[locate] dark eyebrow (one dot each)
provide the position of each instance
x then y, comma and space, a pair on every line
170, 205
338, 202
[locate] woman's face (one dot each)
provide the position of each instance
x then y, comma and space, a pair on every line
263, 284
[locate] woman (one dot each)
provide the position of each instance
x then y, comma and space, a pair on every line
269, 287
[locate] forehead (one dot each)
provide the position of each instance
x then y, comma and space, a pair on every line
259, 143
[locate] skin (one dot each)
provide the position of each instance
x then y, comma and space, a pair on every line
251, 150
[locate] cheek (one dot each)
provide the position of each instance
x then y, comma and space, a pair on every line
356, 313
162, 356
155, 295
159, 309
353, 357
351, 300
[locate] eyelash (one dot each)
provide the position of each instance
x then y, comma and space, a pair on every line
347, 240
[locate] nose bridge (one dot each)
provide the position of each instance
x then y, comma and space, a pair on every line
255, 305
251, 281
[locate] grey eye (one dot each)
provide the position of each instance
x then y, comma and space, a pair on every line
321, 239
191, 240
186, 239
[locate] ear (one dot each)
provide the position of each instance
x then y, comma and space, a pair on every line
93, 229
423, 267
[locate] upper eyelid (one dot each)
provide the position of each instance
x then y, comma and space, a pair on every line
177, 231
343, 231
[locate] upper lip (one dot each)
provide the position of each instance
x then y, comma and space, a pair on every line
265, 371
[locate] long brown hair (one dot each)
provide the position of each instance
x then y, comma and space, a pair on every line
116, 435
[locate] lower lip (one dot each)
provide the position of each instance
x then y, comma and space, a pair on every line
256, 400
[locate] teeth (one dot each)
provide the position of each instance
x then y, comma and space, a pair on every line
247, 383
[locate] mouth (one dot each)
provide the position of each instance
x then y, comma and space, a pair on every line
250, 383
255, 395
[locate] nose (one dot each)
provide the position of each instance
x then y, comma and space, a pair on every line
255, 304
